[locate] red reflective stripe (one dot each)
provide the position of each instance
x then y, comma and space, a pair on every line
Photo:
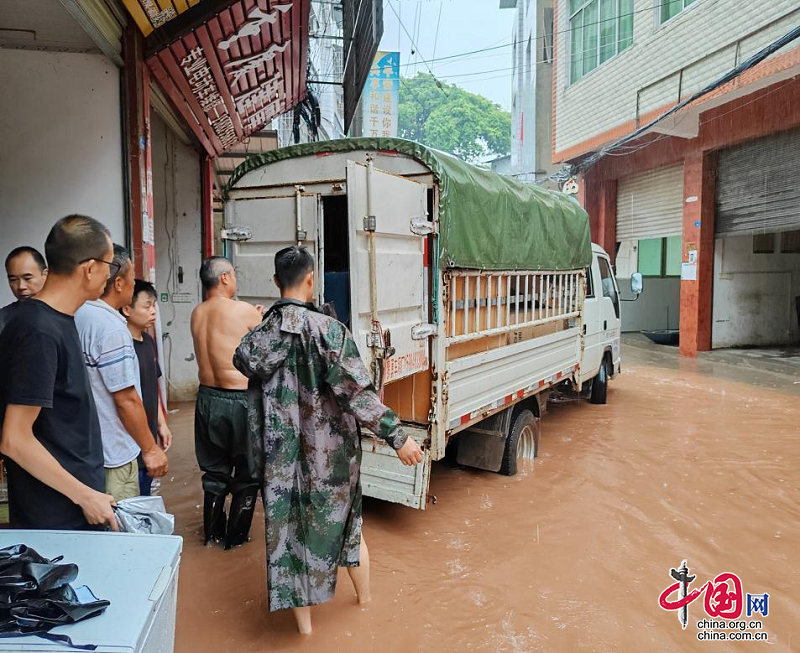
465, 419
508, 399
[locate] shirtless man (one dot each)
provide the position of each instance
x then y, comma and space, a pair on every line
222, 442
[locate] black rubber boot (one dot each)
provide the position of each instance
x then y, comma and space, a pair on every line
213, 517
243, 505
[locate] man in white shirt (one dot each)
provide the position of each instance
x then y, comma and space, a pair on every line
114, 377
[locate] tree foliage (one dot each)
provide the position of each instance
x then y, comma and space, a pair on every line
448, 118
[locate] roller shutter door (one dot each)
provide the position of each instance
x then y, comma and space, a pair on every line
650, 204
757, 186
103, 24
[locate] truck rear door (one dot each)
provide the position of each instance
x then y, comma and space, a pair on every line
388, 204
270, 224
400, 284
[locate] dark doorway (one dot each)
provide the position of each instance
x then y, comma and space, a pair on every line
336, 265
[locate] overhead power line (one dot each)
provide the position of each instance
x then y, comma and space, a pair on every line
413, 43
538, 38
438, 22
572, 57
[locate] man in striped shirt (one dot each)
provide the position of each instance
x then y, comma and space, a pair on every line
114, 377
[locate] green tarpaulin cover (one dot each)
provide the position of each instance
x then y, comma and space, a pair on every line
486, 221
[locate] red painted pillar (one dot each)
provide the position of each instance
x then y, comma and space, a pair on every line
599, 199
207, 205
587, 198
136, 112
607, 217
697, 274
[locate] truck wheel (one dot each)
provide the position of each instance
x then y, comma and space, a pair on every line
522, 442
600, 385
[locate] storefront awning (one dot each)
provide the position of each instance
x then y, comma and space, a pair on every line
229, 67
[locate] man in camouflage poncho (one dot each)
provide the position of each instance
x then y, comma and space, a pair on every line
308, 391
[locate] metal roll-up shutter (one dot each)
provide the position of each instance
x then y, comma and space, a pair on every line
757, 186
103, 24
650, 204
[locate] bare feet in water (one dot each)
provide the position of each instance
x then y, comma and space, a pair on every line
303, 618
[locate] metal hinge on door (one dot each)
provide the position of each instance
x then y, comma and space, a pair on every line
422, 227
236, 233
423, 331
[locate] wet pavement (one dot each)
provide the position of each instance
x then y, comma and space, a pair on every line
766, 367
690, 460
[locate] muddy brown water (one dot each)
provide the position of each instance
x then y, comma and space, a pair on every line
571, 553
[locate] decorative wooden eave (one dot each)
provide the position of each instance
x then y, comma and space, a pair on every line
228, 66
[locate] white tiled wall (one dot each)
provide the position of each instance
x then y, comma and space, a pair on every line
62, 147
705, 40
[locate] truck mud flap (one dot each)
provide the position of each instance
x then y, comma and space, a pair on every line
384, 477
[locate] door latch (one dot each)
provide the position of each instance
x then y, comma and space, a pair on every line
370, 223
381, 344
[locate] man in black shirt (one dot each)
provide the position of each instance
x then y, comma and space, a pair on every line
50, 432
141, 315
26, 271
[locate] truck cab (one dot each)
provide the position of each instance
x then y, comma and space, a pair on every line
601, 359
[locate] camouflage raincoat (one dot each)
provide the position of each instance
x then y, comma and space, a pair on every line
308, 391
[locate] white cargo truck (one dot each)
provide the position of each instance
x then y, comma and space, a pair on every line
471, 296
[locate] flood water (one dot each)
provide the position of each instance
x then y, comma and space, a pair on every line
571, 553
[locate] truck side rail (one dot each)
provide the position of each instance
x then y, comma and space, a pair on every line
484, 383
480, 304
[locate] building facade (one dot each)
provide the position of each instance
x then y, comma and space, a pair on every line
700, 202
531, 89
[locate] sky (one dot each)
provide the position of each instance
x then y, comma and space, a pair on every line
465, 25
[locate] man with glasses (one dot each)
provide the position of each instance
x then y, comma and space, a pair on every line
114, 376
50, 431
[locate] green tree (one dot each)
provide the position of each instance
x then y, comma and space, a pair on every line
451, 119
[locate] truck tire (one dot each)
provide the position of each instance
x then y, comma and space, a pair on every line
600, 384
522, 442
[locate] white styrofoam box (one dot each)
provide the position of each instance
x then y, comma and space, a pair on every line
137, 573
